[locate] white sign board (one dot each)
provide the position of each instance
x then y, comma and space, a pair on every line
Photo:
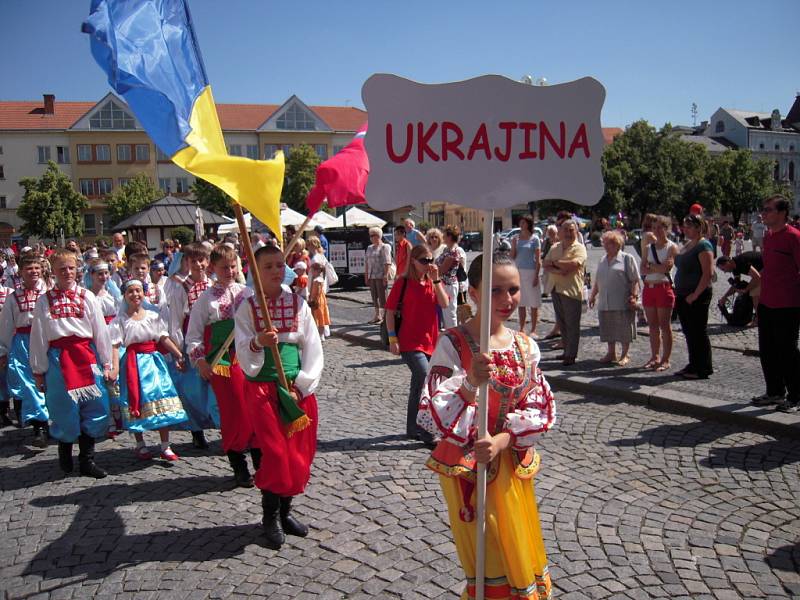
356, 261
488, 142
338, 255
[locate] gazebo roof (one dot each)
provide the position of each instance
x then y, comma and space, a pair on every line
170, 212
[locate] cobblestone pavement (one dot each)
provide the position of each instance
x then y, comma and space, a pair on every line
634, 503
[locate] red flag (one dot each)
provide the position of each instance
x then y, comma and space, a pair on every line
342, 179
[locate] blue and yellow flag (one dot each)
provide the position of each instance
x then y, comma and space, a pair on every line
149, 50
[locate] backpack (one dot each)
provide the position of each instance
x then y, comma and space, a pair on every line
742, 313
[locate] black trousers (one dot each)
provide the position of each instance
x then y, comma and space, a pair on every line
778, 330
694, 322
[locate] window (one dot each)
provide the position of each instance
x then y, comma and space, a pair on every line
102, 153
90, 223
84, 153
1, 149
235, 149
296, 118
2, 172
252, 151
104, 186
87, 187
287, 150
111, 116
776, 172
720, 127
181, 185
270, 150
791, 148
791, 172
3, 202
761, 146
160, 156
163, 184
62, 155
337, 149
44, 153
124, 181
321, 150
777, 146
143, 152
124, 153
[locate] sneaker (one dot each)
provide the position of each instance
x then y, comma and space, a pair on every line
765, 400
789, 406
142, 453
169, 455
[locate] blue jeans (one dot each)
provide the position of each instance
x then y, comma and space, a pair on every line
417, 362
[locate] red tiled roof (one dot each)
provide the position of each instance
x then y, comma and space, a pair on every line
30, 115
609, 133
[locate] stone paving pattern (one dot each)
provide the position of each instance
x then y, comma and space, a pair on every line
634, 503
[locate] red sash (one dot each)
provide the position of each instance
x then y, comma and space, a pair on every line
76, 361
132, 373
23, 330
109, 318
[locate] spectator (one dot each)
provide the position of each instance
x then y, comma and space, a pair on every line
526, 250
757, 231
796, 222
416, 293
413, 235
165, 256
435, 240
118, 243
297, 254
617, 285
726, 234
694, 265
322, 240
550, 238
376, 273
779, 308
448, 268
402, 248
565, 264
747, 263
738, 243
658, 297
713, 229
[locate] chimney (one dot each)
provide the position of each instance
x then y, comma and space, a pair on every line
49, 104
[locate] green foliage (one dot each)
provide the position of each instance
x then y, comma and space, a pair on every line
301, 172
101, 239
50, 204
183, 234
131, 198
211, 198
740, 181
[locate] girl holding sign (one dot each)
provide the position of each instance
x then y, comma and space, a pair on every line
521, 407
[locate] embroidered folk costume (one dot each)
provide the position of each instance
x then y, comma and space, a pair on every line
210, 325
4, 395
521, 404
286, 430
71, 346
318, 302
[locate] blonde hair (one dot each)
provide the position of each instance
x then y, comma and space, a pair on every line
62, 254
376, 231
434, 231
314, 243
614, 235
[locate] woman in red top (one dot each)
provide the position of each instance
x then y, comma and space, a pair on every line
416, 292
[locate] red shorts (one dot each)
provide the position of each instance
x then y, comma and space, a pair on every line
658, 295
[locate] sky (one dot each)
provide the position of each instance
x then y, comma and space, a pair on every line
655, 58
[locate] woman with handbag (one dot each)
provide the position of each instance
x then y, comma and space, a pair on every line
448, 262
658, 298
527, 253
414, 334
617, 284
376, 271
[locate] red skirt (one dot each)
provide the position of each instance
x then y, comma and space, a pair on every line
286, 463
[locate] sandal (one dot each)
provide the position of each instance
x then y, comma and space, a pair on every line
623, 361
651, 364
607, 359
664, 366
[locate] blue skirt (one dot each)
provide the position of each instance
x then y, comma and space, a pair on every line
159, 403
197, 397
21, 384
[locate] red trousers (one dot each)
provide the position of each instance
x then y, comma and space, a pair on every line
236, 426
286, 463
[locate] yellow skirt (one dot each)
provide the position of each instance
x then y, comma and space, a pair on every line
516, 563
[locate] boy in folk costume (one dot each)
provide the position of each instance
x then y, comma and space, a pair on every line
70, 357
196, 394
15, 336
210, 325
285, 421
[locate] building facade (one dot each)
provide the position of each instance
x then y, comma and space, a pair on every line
100, 145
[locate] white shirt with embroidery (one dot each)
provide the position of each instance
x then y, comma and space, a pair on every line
125, 330
294, 327
82, 317
180, 305
17, 313
217, 303
108, 304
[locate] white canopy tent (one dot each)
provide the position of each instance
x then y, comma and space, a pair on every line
360, 218
288, 217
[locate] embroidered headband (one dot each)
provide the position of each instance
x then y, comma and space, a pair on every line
131, 282
99, 267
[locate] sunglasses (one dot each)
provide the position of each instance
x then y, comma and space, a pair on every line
425, 261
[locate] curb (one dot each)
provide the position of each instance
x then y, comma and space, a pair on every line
764, 420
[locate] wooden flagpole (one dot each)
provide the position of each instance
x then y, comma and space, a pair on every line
296, 237
259, 290
483, 400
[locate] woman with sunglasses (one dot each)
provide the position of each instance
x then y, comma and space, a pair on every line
415, 295
694, 267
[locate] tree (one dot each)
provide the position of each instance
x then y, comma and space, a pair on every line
51, 205
183, 234
301, 172
740, 181
131, 198
211, 198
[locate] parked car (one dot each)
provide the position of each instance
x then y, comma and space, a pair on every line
508, 234
472, 240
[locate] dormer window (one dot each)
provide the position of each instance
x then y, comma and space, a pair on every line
111, 116
295, 118
720, 127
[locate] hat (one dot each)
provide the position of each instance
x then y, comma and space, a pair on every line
26, 249
696, 209
300, 265
318, 228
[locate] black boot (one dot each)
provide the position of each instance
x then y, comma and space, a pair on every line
5, 418
199, 440
65, 457
255, 455
86, 458
273, 531
291, 525
39, 434
240, 472
18, 411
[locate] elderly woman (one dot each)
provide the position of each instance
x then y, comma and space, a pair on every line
565, 264
694, 265
435, 241
448, 262
616, 283
376, 271
526, 252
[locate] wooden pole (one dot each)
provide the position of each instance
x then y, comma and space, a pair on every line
483, 401
259, 290
296, 237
